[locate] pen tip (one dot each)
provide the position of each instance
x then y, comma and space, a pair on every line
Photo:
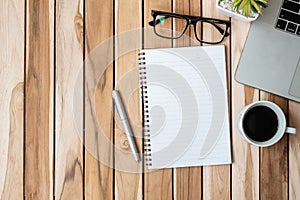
137, 158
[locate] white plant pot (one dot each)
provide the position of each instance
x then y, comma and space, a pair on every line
235, 15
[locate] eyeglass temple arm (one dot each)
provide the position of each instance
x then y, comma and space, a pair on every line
220, 29
157, 21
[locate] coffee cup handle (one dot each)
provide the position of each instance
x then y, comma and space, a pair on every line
290, 130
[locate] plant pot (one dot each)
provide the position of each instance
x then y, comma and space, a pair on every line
234, 14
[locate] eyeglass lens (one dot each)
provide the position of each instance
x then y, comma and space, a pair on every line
170, 26
174, 26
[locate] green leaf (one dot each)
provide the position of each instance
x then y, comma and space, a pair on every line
262, 4
254, 9
246, 9
256, 6
245, 3
246, 6
236, 4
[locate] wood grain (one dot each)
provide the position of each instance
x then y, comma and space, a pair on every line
52, 97
184, 7
216, 179
294, 149
188, 180
151, 40
38, 132
245, 167
12, 30
274, 161
69, 63
98, 118
29, 144
157, 183
128, 175
13, 182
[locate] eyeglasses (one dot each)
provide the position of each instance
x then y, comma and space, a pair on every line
215, 29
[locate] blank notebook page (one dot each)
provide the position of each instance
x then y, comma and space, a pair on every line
185, 106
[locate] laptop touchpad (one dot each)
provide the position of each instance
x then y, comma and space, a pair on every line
295, 86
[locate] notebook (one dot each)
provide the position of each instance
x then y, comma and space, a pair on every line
185, 106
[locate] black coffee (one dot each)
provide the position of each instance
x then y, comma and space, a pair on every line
260, 123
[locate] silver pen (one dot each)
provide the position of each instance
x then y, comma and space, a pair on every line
124, 119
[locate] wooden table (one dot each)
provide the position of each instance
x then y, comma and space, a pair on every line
43, 46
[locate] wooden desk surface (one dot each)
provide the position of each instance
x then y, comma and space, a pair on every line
43, 45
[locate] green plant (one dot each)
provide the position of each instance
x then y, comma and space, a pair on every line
246, 6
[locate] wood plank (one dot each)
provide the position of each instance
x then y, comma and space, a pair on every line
157, 183
38, 116
245, 167
216, 179
294, 149
128, 176
184, 7
98, 118
274, 160
13, 178
68, 139
52, 99
187, 181
151, 40
12, 29
195, 9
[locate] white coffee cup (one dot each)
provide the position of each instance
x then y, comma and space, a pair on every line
281, 125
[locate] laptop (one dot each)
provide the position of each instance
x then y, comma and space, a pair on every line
270, 60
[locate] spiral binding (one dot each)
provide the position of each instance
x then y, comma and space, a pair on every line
144, 94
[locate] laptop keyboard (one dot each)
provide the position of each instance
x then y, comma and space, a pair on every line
289, 17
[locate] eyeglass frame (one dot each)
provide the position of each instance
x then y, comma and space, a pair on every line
191, 20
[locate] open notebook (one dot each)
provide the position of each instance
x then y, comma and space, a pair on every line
185, 106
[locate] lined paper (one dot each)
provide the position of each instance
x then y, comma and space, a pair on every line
186, 106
